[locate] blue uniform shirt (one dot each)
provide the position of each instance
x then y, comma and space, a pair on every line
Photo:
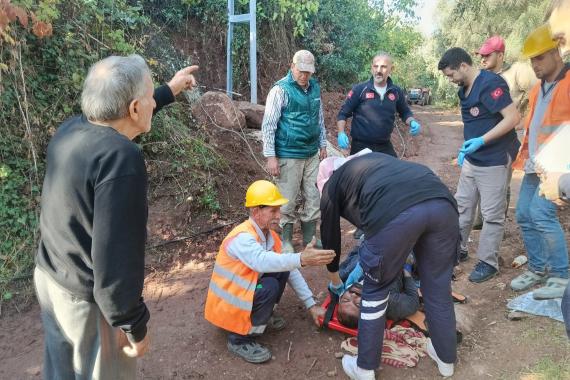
481, 112
372, 117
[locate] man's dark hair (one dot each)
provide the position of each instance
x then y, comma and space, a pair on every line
348, 320
453, 58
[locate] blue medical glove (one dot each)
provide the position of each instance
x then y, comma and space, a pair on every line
472, 145
336, 289
415, 128
460, 158
342, 140
355, 275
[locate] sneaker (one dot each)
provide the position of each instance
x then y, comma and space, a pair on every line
445, 369
527, 280
251, 352
482, 272
554, 288
353, 371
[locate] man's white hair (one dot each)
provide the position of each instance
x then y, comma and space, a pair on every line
111, 85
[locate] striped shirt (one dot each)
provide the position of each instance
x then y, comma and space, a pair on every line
277, 100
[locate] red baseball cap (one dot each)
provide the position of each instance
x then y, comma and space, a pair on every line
495, 43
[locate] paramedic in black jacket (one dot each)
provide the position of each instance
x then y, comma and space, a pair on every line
373, 105
401, 206
90, 263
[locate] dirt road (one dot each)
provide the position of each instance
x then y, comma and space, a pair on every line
185, 346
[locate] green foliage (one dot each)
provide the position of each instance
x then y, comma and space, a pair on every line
468, 23
345, 42
41, 80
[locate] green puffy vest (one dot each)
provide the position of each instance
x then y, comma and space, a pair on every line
298, 130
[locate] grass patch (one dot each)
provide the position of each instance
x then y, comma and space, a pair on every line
548, 369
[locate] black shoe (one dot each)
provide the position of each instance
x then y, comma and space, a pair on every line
463, 255
482, 272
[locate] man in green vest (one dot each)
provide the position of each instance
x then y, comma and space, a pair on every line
294, 141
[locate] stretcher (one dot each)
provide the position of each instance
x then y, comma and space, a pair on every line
416, 320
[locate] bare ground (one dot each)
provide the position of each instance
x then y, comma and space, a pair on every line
185, 346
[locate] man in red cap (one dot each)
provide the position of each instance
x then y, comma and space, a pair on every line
519, 77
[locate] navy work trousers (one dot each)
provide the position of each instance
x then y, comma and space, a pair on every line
270, 288
386, 148
431, 230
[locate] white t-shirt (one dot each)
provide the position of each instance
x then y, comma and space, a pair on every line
381, 91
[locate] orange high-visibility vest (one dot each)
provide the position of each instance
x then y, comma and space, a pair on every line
557, 114
230, 295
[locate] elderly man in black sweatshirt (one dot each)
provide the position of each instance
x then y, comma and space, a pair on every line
90, 263
401, 206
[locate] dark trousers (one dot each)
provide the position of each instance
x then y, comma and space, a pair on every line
387, 147
431, 230
267, 294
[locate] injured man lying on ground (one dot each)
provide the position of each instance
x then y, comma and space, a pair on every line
403, 302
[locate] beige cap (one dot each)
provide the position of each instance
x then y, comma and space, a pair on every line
304, 61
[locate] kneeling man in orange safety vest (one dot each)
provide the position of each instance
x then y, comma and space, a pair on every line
250, 275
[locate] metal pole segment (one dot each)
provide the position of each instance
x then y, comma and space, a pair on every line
229, 70
253, 50
233, 19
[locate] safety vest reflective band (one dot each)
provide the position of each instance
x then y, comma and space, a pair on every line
557, 114
232, 286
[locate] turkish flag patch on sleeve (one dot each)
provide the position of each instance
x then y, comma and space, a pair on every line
349, 94
497, 93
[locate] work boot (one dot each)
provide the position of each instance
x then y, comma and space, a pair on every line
251, 352
287, 238
309, 230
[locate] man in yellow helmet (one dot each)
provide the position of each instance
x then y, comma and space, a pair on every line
250, 275
549, 103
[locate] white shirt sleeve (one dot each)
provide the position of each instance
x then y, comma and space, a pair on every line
323, 135
301, 289
245, 248
276, 101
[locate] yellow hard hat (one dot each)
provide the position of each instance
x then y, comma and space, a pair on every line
539, 41
263, 193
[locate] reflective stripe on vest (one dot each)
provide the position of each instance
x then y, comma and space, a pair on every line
230, 295
557, 114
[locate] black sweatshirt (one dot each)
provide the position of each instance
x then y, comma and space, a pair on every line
93, 218
370, 191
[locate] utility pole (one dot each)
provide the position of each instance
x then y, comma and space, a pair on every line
234, 19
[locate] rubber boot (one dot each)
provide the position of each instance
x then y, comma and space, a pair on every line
309, 230
287, 238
